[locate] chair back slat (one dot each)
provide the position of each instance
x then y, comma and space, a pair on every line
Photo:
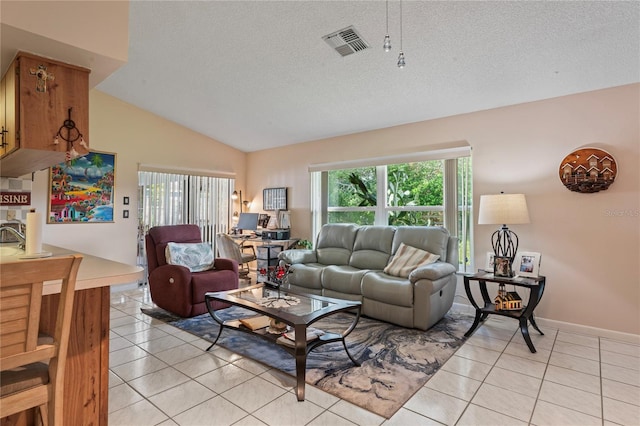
19, 316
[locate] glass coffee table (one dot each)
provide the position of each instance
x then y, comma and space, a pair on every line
298, 311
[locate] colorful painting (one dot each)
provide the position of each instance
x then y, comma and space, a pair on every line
81, 190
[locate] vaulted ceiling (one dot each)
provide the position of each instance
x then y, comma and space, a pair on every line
258, 74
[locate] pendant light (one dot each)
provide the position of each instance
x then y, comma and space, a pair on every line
401, 62
387, 39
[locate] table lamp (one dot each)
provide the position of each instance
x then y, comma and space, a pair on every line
503, 209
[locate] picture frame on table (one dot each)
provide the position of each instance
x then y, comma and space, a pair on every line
527, 264
489, 262
502, 267
263, 220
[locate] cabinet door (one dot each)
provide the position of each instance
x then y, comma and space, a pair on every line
8, 108
48, 96
45, 105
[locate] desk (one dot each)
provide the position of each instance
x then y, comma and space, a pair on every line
524, 315
258, 241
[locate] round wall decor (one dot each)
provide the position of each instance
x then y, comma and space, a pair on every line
588, 170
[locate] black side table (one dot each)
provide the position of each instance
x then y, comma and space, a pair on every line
524, 315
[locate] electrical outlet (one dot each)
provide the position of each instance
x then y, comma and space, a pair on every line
11, 215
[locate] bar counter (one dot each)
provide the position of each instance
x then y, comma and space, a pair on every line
87, 371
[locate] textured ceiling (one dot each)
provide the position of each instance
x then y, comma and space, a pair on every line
256, 75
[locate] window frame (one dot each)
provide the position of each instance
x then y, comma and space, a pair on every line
458, 219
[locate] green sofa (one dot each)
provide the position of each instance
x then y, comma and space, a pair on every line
348, 262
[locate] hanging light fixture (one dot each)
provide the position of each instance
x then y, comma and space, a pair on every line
387, 39
401, 62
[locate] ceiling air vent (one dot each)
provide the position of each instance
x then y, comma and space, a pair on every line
346, 41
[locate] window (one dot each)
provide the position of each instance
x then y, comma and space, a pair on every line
171, 199
434, 192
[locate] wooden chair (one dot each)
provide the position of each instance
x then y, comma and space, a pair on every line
32, 367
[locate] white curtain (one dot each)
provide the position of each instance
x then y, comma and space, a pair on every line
173, 199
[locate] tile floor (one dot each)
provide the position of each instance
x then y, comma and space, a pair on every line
160, 375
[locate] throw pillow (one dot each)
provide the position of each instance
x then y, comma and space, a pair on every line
197, 257
408, 258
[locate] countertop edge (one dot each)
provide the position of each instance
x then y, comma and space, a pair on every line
94, 271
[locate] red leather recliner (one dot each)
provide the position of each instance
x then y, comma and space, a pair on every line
175, 288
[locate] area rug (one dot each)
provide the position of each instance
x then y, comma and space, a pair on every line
395, 361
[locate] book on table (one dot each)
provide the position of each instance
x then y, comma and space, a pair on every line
255, 323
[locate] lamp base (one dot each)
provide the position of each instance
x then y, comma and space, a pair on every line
505, 245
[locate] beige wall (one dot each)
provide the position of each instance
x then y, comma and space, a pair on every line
136, 136
590, 243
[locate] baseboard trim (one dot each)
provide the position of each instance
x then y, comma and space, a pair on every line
568, 327
588, 330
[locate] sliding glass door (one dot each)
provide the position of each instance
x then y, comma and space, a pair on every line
173, 199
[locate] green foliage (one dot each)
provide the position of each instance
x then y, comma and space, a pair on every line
304, 244
352, 187
365, 190
360, 217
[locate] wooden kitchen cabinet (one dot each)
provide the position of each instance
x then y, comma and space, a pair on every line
38, 98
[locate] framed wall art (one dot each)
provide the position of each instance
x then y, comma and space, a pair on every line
274, 199
588, 170
82, 190
527, 264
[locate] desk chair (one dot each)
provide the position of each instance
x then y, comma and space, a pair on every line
228, 248
32, 368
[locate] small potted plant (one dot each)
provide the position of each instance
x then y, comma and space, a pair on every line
304, 244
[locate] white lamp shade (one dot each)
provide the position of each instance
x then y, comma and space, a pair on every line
503, 209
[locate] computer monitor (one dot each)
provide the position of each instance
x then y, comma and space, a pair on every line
247, 221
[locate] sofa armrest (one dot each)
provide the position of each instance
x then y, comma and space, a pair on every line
171, 275
432, 272
222, 263
298, 256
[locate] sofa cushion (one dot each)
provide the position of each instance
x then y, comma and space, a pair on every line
195, 256
430, 238
408, 258
306, 275
335, 243
372, 247
388, 289
343, 279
